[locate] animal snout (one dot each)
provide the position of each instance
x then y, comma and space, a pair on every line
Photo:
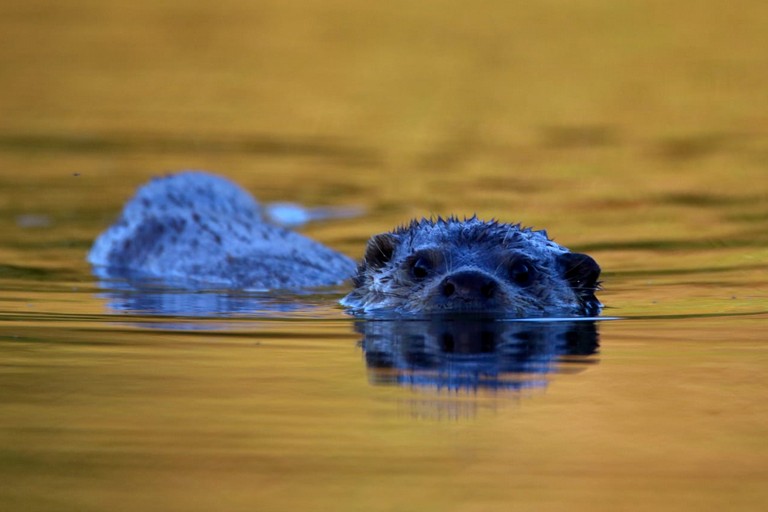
469, 285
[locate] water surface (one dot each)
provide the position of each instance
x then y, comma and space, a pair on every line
631, 131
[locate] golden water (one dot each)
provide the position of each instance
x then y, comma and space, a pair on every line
635, 131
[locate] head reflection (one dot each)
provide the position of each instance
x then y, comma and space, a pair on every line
473, 353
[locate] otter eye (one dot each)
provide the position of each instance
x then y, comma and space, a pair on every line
522, 273
421, 267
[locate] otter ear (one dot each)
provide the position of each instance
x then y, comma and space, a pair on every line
379, 250
581, 271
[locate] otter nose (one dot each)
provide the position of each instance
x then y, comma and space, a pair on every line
469, 284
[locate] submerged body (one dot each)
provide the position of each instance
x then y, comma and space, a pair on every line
200, 231
197, 230
471, 266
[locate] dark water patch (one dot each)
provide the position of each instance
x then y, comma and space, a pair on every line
340, 189
34, 273
757, 314
694, 146
511, 184
701, 200
685, 199
685, 271
574, 137
19, 290
251, 333
49, 317
43, 244
756, 239
133, 143
754, 216
445, 156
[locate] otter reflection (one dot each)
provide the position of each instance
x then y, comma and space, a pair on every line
153, 297
473, 353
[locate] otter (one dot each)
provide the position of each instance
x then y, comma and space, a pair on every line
202, 231
471, 266
199, 231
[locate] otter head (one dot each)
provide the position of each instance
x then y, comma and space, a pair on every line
471, 266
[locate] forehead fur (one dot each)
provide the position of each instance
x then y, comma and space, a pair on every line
470, 232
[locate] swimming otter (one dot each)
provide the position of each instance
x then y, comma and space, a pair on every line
452, 265
203, 231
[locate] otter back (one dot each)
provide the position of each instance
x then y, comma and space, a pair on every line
198, 230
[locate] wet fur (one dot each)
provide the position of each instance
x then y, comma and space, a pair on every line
202, 231
564, 283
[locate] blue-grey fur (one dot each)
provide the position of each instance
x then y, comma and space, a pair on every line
198, 230
482, 255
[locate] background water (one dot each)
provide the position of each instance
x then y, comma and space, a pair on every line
635, 131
